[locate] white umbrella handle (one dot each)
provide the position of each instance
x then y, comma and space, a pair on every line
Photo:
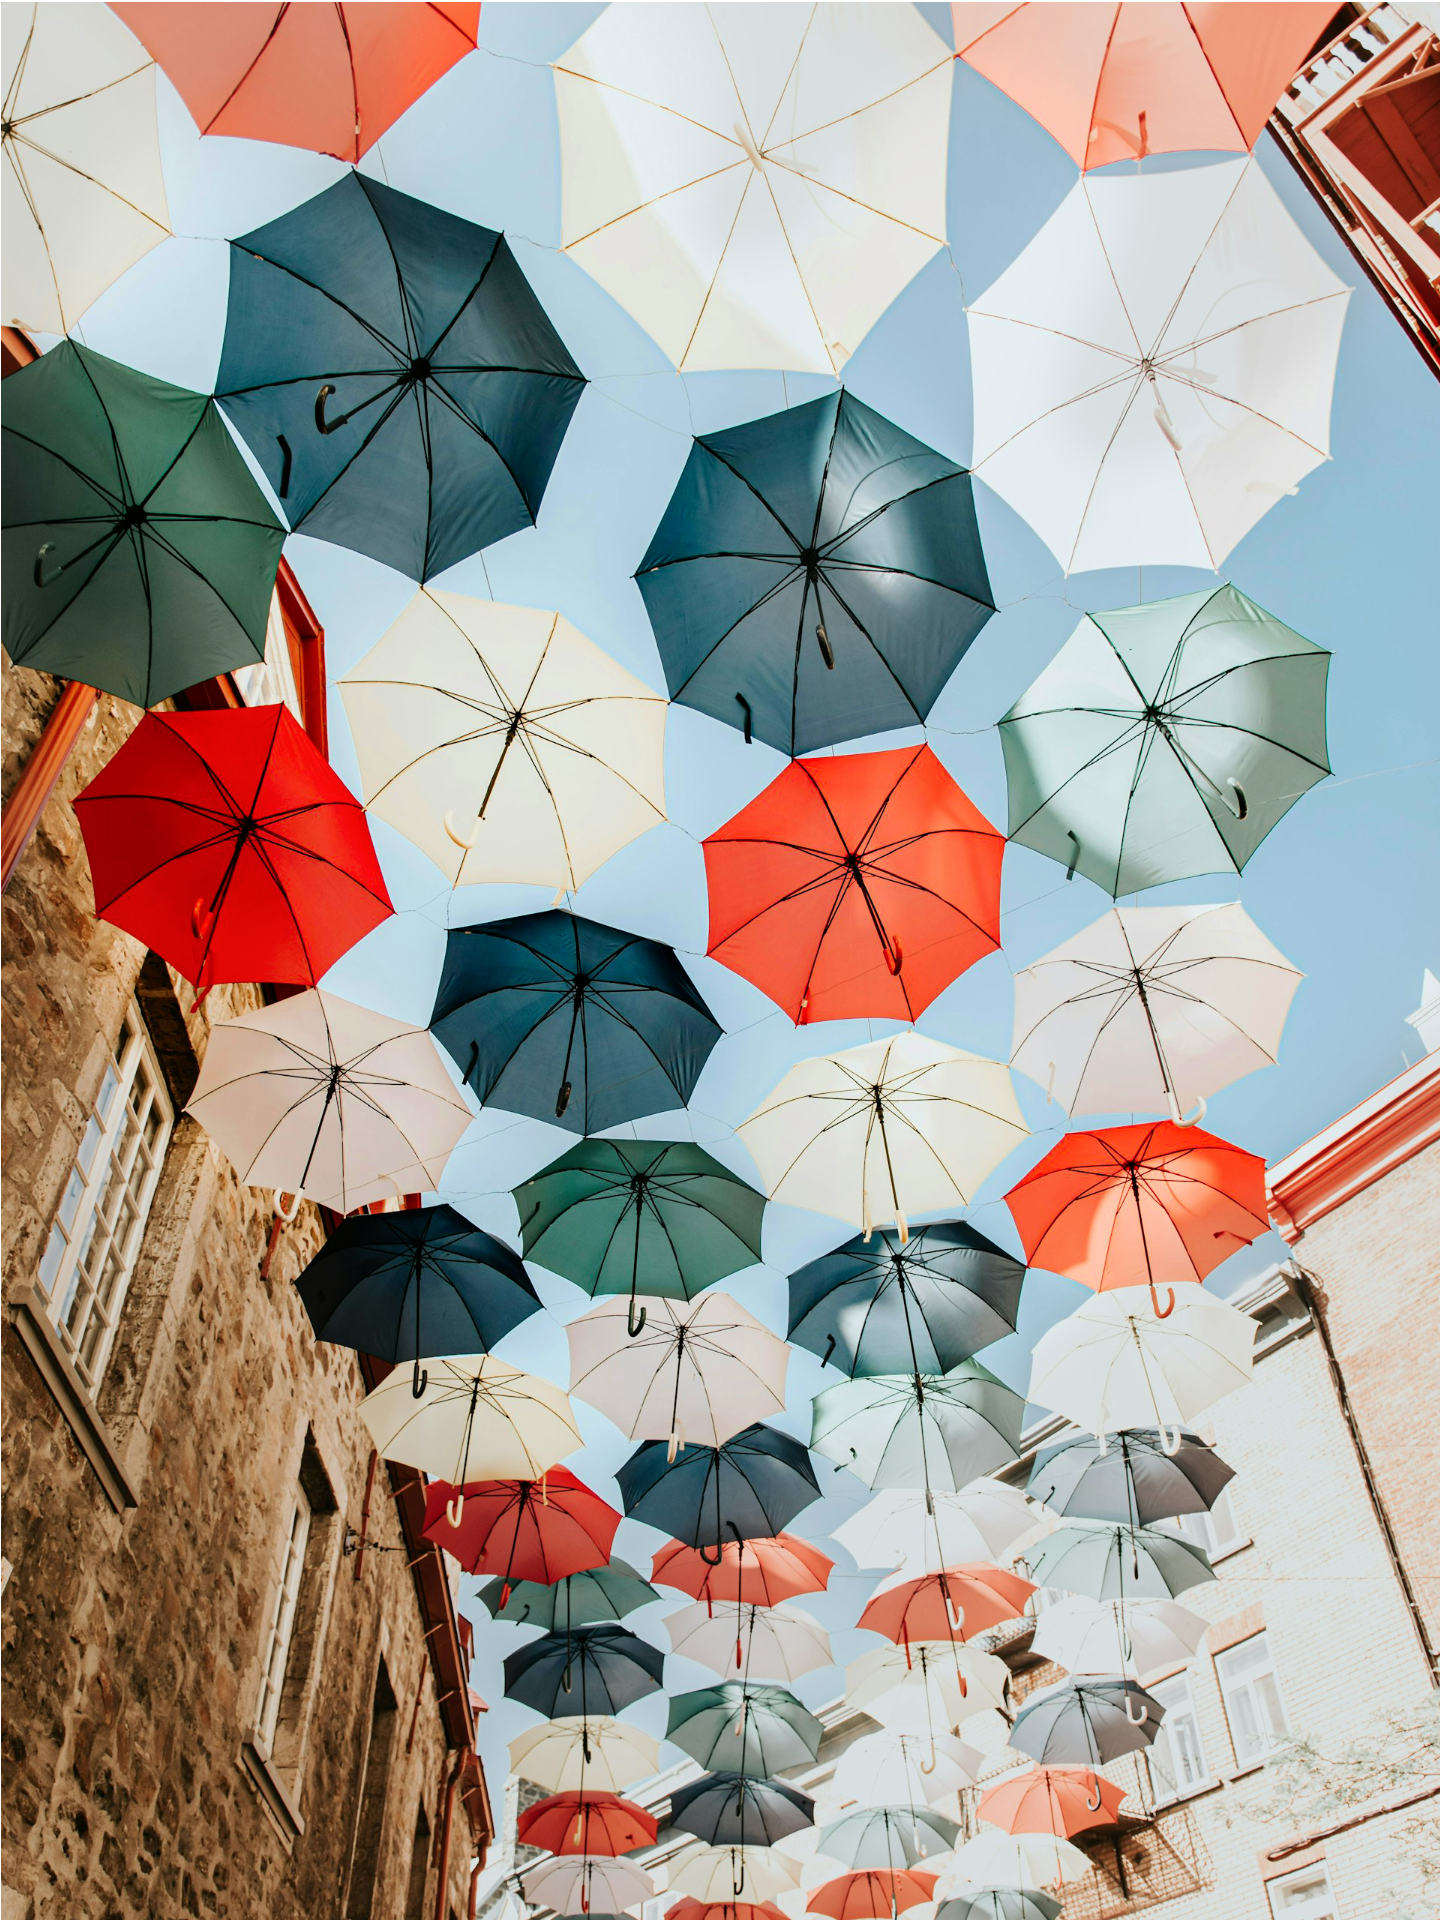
454, 1508
459, 838
1185, 1119
1171, 1441
1136, 1720
287, 1215
675, 1444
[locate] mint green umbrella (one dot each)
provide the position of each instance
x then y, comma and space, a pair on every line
1166, 740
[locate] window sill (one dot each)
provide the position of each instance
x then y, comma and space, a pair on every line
1244, 1773
57, 1370
1229, 1552
1197, 1792
272, 1793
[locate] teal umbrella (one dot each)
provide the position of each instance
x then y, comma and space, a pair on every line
733, 1728
579, 1600
938, 1431
1166, 740
1117, 1562
139, 553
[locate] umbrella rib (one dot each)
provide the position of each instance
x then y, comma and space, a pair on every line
78, 172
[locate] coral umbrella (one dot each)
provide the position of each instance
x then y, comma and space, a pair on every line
1134, 1477
692, 1909
593, 1823
856, 886
761, 1572
226, 844
746, 1875
331, 78
955, 1604
731, 1810
871, 1896
1166, 1202
523, 1529
1118, 82
587, 1883
693, 1372
746, 1488
572, 1754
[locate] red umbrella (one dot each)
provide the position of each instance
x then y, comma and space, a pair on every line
872, 1896
226, 843
592, 1823
853, 886
761, 1573
1154, 1202
522, 1529
1058, 1800
331, 78
953, 1605
688, 1909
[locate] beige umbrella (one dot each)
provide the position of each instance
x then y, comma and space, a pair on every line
575, 1755
926, 1687
725, 1874
586, 1883
476, 1418
760, 1643
903, 1527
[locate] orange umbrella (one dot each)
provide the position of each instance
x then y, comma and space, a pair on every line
761, 1573
952, 1605
590, 1823
1058, 1800
1118, 82
690, 1909
872, 1896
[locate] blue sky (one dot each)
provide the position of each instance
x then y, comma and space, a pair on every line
1346, 885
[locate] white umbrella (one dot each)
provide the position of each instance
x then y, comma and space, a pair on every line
586, 1883
476, 1418
899, 1528
697, 1371
761, 1643
893, 1128
505, 744
904, 1769
725, 1874
1113, 1363
754, 186
1152, 1007
926, 1687
575, 1755
1155, 370
83, 197
1135, 1637
1013, 1860
317, 1096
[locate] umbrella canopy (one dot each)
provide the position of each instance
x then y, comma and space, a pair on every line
579, 1600
688, 1909
224, 842
818, 575
1086, 1722
1155, 370
904, 1769
955, 1604
84, 195
999, 1903
895, 1127
587, 1823
140, 555
1152, 1007
523, 1529
900, 1528
1106, 1562
594, 1670
1131, 1479
571, 1021
735, 1728
315, 1095
758, 1573
586, 1884
394, 376
870, 1896
887, 1839
695, 1372
474, 1418
920, 1430
1113, 1364
503, 743
1021, 1859
744, 1489
1118, 82
731, 1810
755, 195
1114, 1636
331, 78
569, 1755
748, 1875
753, 1642
880, 1305
926, 1688
1166, 740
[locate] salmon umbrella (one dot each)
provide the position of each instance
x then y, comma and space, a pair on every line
587, 1883
523, 1529
955, 1604
856, 886
331, 78
760, 1572
871, 1896
593, 1823
691, 1909
1164, 1201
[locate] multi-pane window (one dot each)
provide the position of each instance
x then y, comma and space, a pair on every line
1216, 1531
1251, 1694
1177, 1758
282, 1624
1304, 1895
95, 1238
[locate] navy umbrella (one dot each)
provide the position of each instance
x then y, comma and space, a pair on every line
732, 1810
421, 1281
748, 1488
394, 375
1131, 1478
817, 575
923, 1305
592, 1671
1085, 1723
580, 1599
571, 1021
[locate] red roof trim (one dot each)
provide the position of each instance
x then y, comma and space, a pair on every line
1383, 1132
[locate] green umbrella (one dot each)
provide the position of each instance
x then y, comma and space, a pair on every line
579, 1600
938, 1431
1166, 740
733, 1728
139, 553
1117, 1562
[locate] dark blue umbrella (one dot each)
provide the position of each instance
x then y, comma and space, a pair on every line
748, 1488
570, 1021
592, 1671
817, 575
394, 375
732, 1810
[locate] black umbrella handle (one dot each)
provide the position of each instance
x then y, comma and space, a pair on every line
704, 1553
744, 706
419, 1379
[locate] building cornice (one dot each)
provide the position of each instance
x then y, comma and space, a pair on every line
1356, 1150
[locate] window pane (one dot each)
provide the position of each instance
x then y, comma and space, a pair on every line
1303, 1896
1177, 1758
1252, 1698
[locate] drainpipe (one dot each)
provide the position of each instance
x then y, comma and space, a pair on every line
447, 1828
41, 771
475, 1873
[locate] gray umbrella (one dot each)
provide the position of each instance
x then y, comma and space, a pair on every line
1130, 1478
999, 1903
1085, 1723
732, 1810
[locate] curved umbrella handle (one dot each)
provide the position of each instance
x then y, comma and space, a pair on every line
1162, 1313
1074, 859
827, 652
1136, 1720
928, 1766
867, 1218
1104, 1445
294, 1208
1236, 800
829, 1349
1094, 1806
704, 1553
1171, 1441
505, 1596
633, 1326
459, 838
454, 1508
321, 397
201, 918
1185, 1119
676, 1442
42, 578
894, 954
419, 1380
584, 1896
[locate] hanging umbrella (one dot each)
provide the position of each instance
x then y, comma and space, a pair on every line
586, 1885
474, 1418
760, 1643
1155, 370
955, 1604
1086, 1723
904, 1769
758, 1573
315, 1095
696, 1372
1113, 1364
1164, 1201
1166, 740
887, 1839
587, 1823
84, 195
394, 376
1152, 1007
894, 1127
688, 1909
594, 1670
871, 1896
579, 1600
523, 1529
920, 1430
882, 1306
1106, 1562
1131, 1478
999, 1903
331, 78
1113, 1636
571, 1021
754, 196
746, 1488
570, 1754
224, 842
503, 743
1118, 82
734, 1728
731, 1810
140, 555
818, 575
749, 1875
928, 1688
1021, 1859
899, 1528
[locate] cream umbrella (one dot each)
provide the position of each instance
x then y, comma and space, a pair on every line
900, 1528
725, 1874
928, 1687
904, 1769
476, 1418
1013, 1860
1155, 370
886, 1130
755, 186
1152, 1007
759, 1643
1134, 1637
576, 1755
586, 1883
504, 743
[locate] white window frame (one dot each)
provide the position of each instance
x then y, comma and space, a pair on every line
1216, 1531
1177, 1697
99, 1224
271, 681
276, 1656
1243, 1700
1321, 1907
